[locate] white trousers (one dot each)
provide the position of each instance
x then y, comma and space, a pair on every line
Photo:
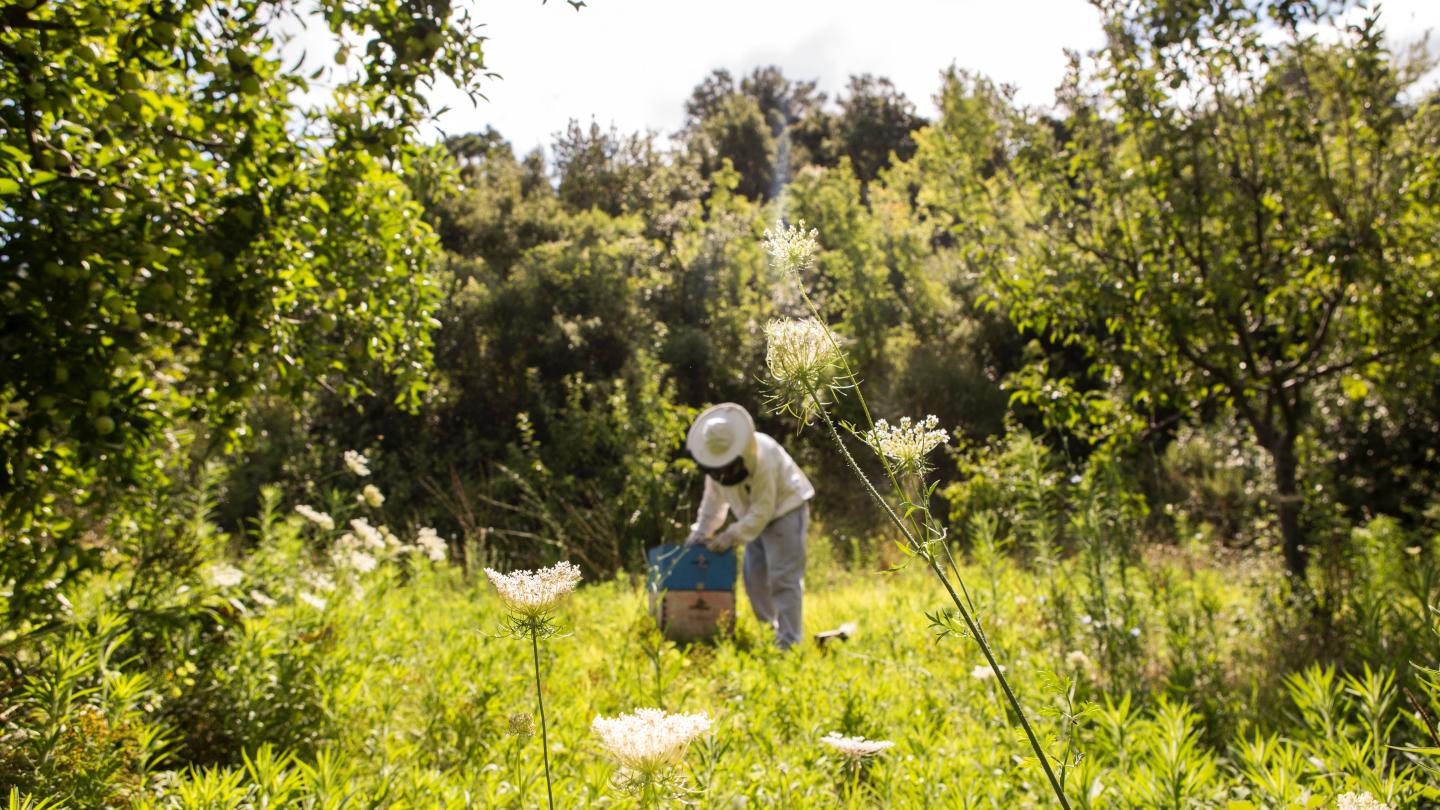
775, 574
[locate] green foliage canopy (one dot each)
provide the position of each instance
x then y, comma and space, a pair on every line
182, 231
1224, 218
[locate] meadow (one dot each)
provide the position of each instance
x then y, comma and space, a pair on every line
1120, 413
394, 684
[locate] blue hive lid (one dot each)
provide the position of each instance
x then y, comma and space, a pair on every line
675, 567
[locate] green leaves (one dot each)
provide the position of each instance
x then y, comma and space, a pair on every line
172, 226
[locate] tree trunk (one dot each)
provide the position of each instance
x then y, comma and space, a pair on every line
1288, 503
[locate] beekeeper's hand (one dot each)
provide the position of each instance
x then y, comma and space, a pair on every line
695, 538
720, 542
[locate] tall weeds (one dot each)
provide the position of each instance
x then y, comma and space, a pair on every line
809, 368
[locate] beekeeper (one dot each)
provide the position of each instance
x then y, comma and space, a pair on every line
749, 474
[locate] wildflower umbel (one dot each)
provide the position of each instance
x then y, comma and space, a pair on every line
532, 594
649, 740
432, 544
357, 463
370, 536
372, 496
1359, 801
984, 672
856, 747
803, 359
792, 249
907, 443
223, 575
317, 517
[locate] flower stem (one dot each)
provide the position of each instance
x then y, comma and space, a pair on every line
970, 624
540, 701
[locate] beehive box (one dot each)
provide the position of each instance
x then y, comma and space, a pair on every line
692, 591
694, 615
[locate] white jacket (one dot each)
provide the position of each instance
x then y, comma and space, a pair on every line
774, 487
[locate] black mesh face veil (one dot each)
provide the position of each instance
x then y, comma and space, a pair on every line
730, 474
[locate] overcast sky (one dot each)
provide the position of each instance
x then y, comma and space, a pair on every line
634, 62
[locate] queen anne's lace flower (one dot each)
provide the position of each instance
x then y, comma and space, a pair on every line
261, 598
907, 443
983, 672
1077, 660
223, 575
531, 594
317, 517
649, 739
803, 361
372, 496
357, 463
312, 600
1359, 801
432, 544
354, 558
800, 350
855, 747
370, 536
320, 582
792, 249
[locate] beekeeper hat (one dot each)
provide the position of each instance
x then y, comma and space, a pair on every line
720, 434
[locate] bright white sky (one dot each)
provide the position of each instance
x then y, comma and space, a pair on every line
634, 62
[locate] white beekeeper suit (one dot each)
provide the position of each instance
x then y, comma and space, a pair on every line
749, 474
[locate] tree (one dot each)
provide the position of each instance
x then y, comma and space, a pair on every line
767, 126
180, 235
1232, 217
739, 134
876, 120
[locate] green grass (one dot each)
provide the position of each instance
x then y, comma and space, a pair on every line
416, 689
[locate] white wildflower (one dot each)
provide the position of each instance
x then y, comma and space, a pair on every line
391, 541
360, 561
312, 600
320, 582
907, 443
223, 575
261, 598
1413, 551
855, 747
369, 535
1359, 801
983, 672
792, 249
357, 463
371, 496
1077, 660
801, 350
803, 360
532, 594
432, 544
649, 739
317, 517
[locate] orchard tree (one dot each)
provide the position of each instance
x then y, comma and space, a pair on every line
1238, 207
180, 233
